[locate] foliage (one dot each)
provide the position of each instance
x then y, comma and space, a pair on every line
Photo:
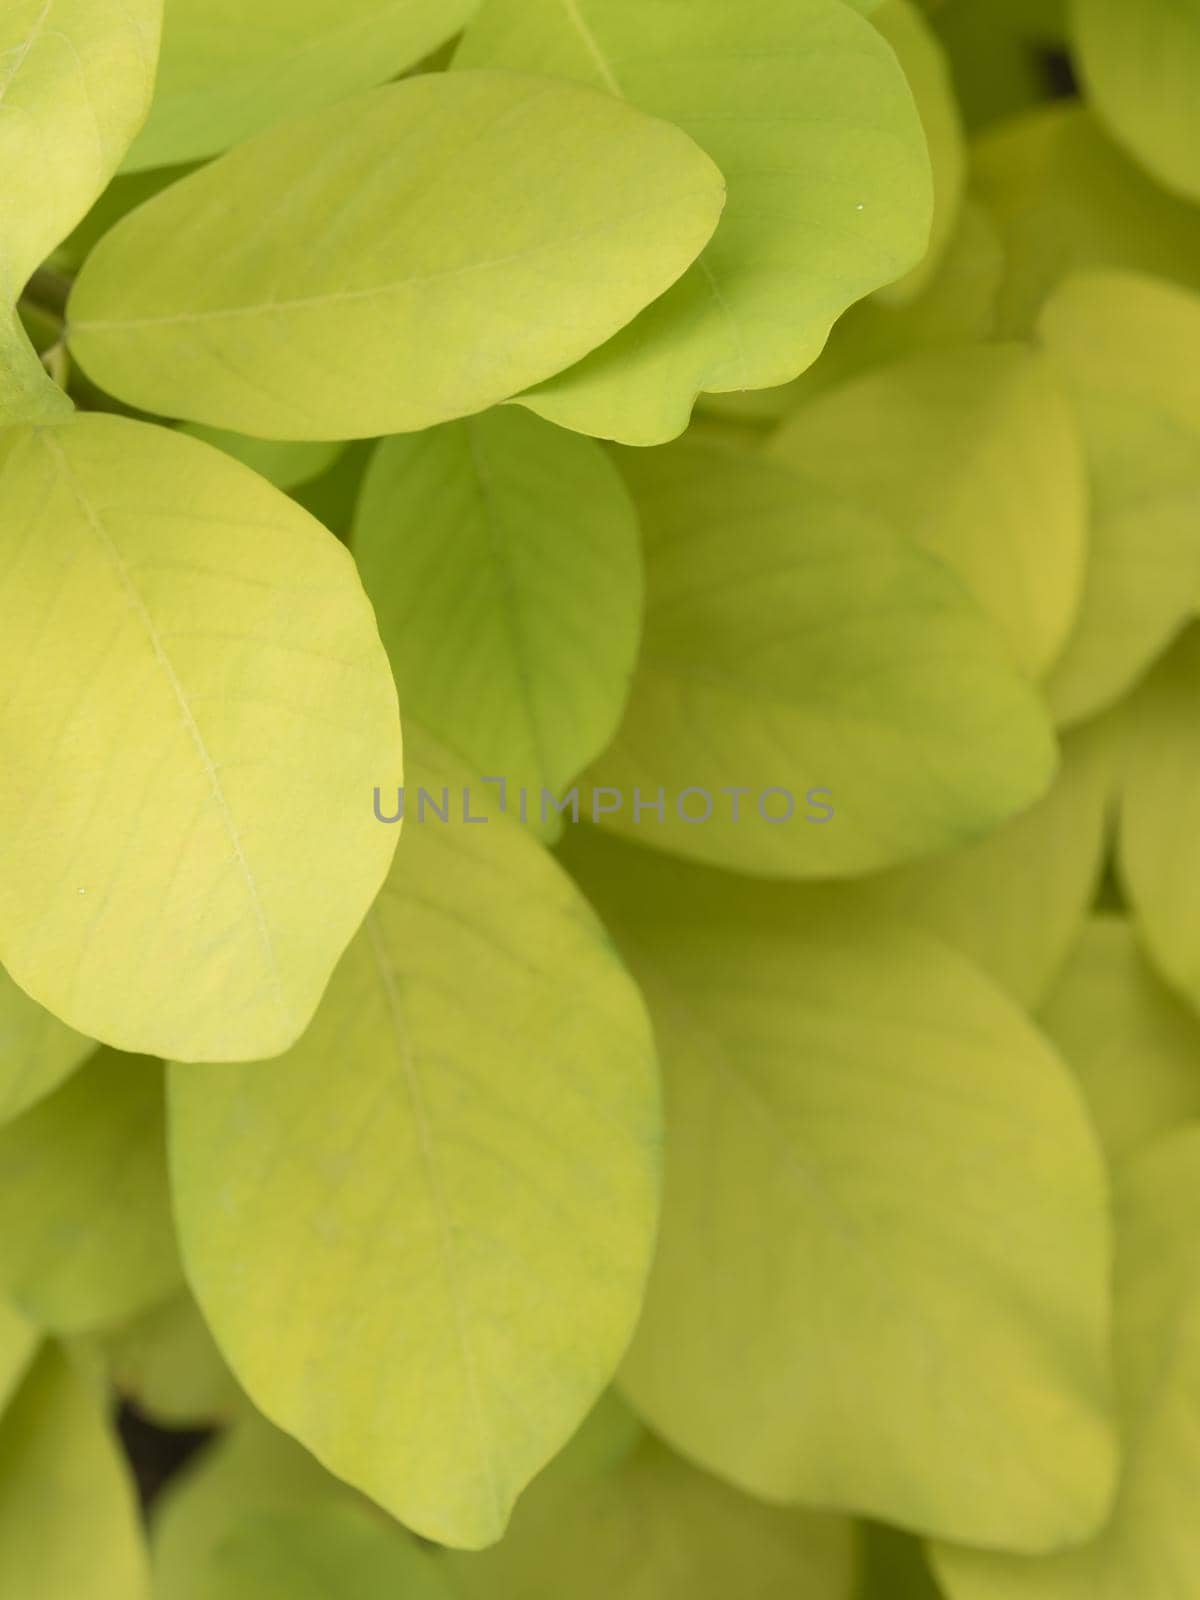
712, 1107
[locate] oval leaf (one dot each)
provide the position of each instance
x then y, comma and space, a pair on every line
464, 235
75, 84
1067, 200
1150, 1547
191, 889
502, 558
470, 1291
1141, 65
68, 1512
1128, 350
804, 108
84, 1210
977, 456
905, 1203
1133, 1046
793, 642
75, 88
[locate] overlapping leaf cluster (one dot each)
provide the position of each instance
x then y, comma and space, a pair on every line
644, 401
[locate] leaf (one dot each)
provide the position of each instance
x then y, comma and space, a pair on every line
1067, 200
224, 76
1133, 1046
1141, 65
1151, 1546
250, 1471
37, 1051
165, 1361
650, 1527
456, 1309
68, 1516
502, 558
330, 1553
75, 83
974, 454
882, 1273
18, 1345
1016, 901
920, 54
1128, 350
285, 463
803, 106
793, 642
1161, 789
84, 1210
190, 889
454, 237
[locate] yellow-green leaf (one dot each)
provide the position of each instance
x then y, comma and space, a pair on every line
1128, 350
1150, 1548
68, 1516
457, 1229
1067, 200
650, 1527
85, 1216
37, 1051
188, 890
75, 83
1141, 68
1160, 802
976, 455
502, 558
226, 74
1133, 1046
796, 643
462, 235
882, 1275
804, 108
